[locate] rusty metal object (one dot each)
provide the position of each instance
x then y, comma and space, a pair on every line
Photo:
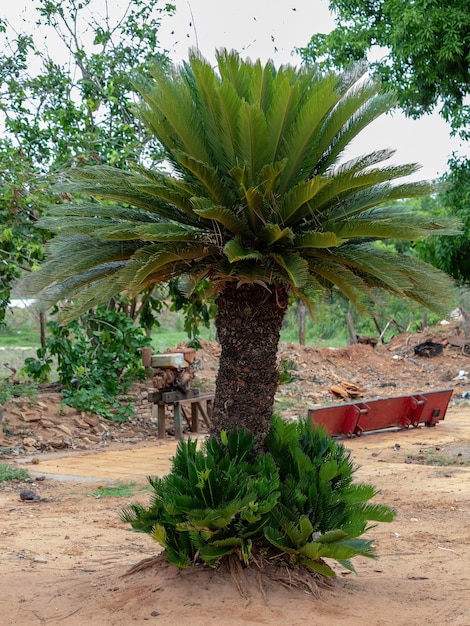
354, 418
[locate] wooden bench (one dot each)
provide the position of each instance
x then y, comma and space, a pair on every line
200, 405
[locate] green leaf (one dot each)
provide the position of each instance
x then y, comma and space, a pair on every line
235, 251
234, 223
316, 239
294, 204
294, 267
272, 233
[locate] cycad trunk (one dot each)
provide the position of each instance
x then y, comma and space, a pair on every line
249, 319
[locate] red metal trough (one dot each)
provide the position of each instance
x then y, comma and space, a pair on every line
355, 418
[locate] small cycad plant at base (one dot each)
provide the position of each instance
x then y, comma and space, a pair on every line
295, 502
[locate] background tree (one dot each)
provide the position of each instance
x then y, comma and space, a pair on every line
420, 48
452, 254
258, 201
65, 98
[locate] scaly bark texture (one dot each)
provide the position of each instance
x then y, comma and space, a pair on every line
249, 319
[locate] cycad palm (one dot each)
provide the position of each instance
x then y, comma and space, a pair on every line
257, 201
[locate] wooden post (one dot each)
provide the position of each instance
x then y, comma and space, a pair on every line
377, 326
194, 417
301, 310
177, 420
160, 419
351, 329
42, 328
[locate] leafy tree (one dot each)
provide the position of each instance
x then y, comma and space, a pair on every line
258, 200
420, 48
64, 105
452, 254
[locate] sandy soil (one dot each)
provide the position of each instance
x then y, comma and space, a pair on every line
63, 559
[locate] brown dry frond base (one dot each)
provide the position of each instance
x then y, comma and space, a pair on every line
264, 573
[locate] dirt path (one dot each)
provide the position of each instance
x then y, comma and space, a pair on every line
62, 559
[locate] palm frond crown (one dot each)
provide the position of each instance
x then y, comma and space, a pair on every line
259, 191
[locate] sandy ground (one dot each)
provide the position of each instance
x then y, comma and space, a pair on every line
63, 559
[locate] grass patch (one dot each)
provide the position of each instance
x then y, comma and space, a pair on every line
8, 473
118, 490
439, 458
9, 390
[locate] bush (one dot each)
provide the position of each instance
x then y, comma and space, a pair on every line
98, 358
296, 501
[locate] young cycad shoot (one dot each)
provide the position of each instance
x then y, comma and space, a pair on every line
258, 197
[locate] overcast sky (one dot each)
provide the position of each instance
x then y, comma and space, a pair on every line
272, 29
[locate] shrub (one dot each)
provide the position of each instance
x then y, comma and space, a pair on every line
98, 358
296, 501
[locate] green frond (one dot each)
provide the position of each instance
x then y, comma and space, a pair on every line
209, 177
122, 187
358, 107
239, 175
188, 282
392, 222
229, 104
261, 84
316, 239
252, 140
342, 188
80, 225
205, 89
120, 230
256, 207
250, 271
281, 113
171, 114
72, 255
373, 262
363, 162
269, 175
70, 289
293, 266
378, 194
161, 259
336, 274
272, 233
235, 72
319, 567
166, 232
235, 251
298, 197
226, 217
94, 209
431, 287
304, 130
89, 294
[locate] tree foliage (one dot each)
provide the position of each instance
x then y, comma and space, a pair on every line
420, 48
258, 193
452, 254
65, 104
98, 358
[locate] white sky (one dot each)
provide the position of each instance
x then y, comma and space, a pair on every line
272, 29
